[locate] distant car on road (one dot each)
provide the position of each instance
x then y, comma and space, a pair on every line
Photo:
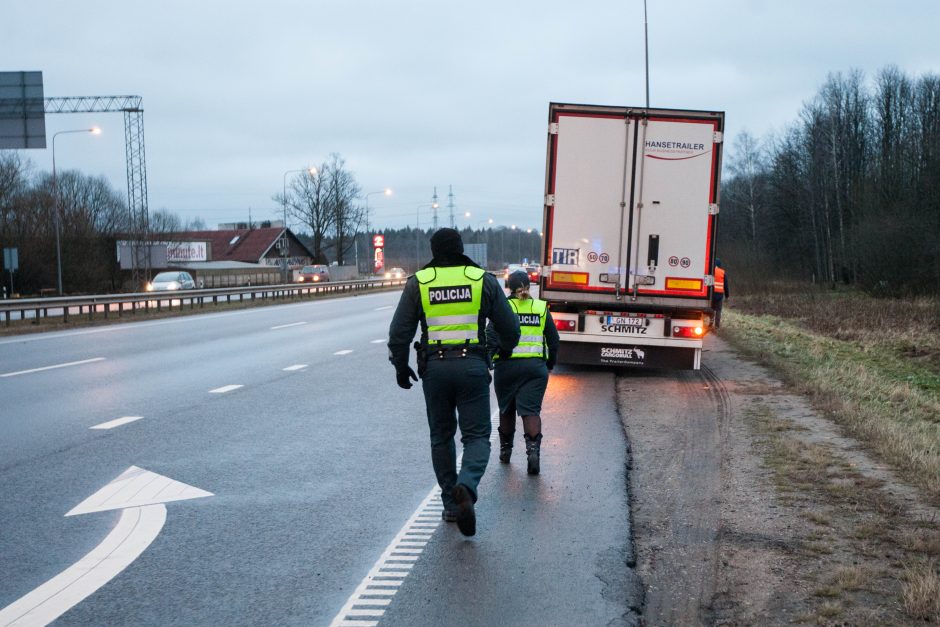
534, 271
314, 274
395, 273
170, 281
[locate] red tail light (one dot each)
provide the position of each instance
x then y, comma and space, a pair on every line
566, 325
694, 332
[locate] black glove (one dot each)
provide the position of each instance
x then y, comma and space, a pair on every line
550, 364
404, 373
505, 354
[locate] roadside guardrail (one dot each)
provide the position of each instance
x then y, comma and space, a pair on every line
120, 304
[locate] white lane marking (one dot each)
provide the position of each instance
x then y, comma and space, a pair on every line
385, 567
116, 423
136, 487
399, 557
284, 326
343, 352
295, 367
71, 363
383, 308
378, 341
136, 529
225, 388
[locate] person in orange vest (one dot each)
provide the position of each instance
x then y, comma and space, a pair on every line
721, 291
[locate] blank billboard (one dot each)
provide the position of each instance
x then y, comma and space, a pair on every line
22, 111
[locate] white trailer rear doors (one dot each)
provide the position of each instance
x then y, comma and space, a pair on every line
630, 204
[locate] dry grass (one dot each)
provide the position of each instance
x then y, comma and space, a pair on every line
852, 578
830, 609
906, 325
922, 541
922, 591
865, 556
854, 356
819, 519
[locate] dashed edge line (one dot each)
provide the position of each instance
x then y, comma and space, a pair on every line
393, 566
399, 557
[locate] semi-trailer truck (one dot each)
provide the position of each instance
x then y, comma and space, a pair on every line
630, 219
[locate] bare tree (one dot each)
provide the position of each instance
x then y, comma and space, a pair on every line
163, 221
195, 224
748, 166
325, 202
348, 215
306, 201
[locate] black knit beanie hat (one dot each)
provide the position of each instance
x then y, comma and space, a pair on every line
517, 279
446, 243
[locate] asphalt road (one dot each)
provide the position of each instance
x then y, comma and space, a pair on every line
313, 472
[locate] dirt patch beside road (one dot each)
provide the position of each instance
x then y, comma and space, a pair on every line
751, 508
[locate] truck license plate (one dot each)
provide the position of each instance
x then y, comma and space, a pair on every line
630, 322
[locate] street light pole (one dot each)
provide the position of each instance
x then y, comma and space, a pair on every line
55, 203
286, 246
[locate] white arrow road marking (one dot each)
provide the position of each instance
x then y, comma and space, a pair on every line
225, 388
295, 367
343, 352
284, 326
117, 422
71, 363
141, 495
383, 308
134, 488
382, 341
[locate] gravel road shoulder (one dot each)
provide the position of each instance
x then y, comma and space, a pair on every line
749, 507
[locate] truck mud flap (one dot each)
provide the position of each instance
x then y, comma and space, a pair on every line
628, 355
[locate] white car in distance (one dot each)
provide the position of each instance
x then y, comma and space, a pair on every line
171, 281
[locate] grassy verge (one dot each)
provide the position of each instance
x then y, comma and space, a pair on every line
865, 560
872, 365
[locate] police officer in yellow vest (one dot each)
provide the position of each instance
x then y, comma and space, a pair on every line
521, 379
451, 298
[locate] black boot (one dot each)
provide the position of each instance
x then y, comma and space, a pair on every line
466, 517
505, 445
532, 446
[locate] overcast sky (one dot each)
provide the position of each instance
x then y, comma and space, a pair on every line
420, 94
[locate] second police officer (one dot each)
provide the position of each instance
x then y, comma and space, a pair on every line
452, 298
521, 379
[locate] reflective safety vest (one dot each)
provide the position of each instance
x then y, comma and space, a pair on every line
532, 314
719, 280
451, 299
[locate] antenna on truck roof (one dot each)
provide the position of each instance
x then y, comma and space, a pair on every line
646, 46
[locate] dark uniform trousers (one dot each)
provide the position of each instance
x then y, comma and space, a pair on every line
464, 385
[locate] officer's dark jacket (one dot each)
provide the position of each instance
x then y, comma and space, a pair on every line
409, 314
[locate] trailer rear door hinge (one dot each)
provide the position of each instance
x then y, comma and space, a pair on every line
709, 280
718, 137
553, 128
550, 200
713, 209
